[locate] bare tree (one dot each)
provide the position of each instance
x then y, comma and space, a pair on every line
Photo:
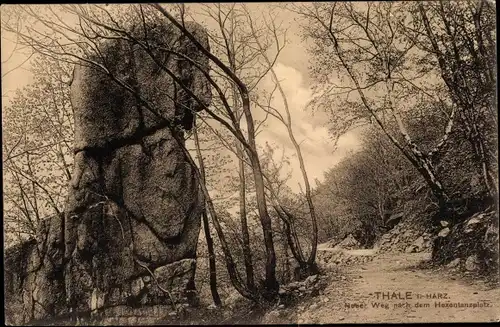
363, 45
229, 37
254, 43
38, 136
81, 45
461, 38
271, 283
287, 122
206, 227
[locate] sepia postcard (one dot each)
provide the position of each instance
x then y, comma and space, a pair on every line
250, 163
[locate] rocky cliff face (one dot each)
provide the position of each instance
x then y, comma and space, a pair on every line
34, 276
129, 233
471, 244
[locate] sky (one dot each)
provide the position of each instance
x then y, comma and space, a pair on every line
292, 70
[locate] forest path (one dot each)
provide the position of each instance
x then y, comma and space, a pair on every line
353, 297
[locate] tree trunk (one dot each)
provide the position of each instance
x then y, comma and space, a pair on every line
288, 123
460, 90
206, 228
286, 268
211, 261
271, 282
247, 253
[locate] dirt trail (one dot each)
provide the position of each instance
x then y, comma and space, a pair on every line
401, 288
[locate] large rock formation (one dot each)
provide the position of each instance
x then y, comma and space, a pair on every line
133, 214
34, 278
129, 233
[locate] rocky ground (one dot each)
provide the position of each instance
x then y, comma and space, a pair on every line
391, 288
393, 282
365, 286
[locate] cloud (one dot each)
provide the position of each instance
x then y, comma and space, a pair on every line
309, 130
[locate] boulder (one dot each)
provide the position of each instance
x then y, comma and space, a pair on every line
419, 244
444, 232
311, 279
349, 242
282, 290
411, 248
132, 218
490, 246
134, 199
472, 263
293, 285
313, 306
232, 299
454, 263
394, 219
474, 222
407, 234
